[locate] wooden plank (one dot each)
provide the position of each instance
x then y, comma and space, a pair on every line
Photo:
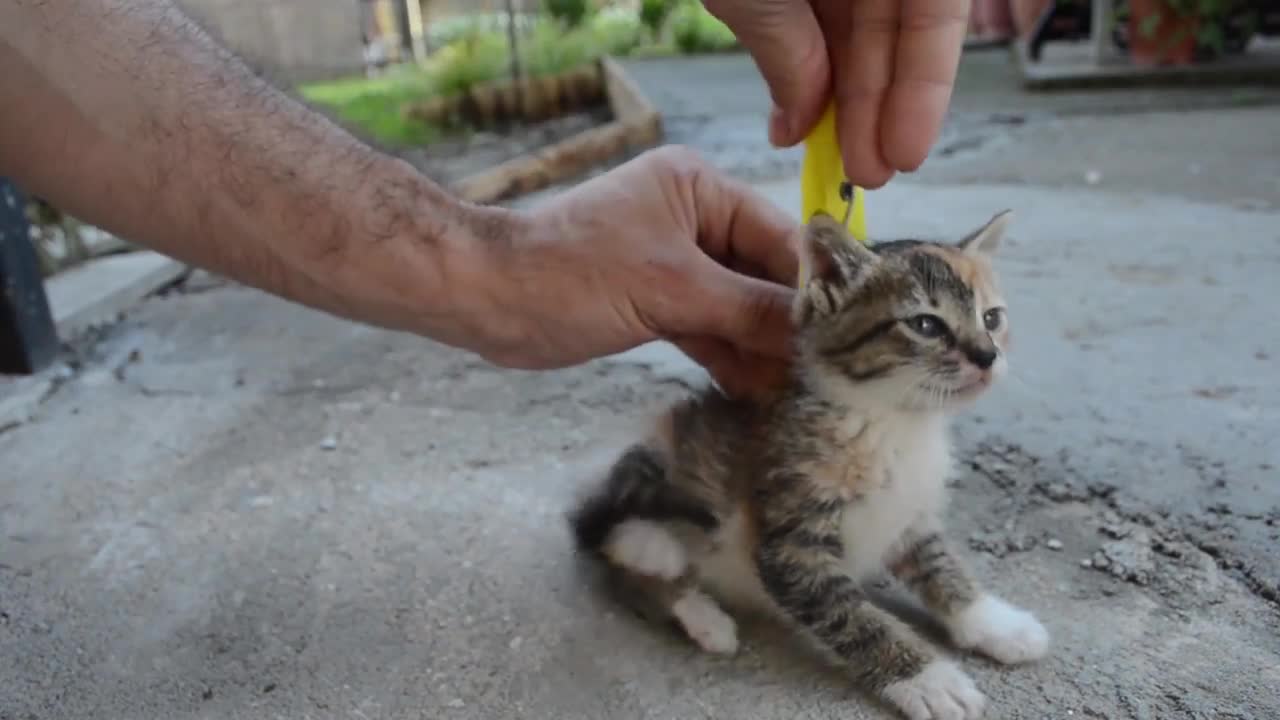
546, 166
625, 98
636, 125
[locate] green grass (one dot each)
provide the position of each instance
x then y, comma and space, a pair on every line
374, 104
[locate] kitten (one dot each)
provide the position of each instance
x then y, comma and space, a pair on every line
788, 505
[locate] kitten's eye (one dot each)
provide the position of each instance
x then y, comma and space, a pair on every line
993, 319
930, 326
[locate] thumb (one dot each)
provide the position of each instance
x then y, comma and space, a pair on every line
788, 47
750, 314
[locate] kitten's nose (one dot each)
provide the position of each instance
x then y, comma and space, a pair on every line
982, 357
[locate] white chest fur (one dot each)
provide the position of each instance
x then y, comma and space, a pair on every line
907, 459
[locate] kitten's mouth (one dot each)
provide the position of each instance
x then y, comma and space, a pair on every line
965, 391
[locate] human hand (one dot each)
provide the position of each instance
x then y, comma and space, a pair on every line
661, 247
894, 63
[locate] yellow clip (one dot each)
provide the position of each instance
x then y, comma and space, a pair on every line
821, 177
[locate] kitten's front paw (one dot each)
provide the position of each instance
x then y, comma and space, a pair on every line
942, 691
1000, 631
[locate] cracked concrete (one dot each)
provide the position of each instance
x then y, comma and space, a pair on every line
236, 507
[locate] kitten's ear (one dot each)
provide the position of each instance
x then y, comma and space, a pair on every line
986, 239
831, 263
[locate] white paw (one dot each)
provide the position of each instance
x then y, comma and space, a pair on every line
646, 548
942, 691
708, 625
1000, 630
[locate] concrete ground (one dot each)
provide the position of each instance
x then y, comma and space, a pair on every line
235, 507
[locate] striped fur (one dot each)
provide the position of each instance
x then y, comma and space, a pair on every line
789, 504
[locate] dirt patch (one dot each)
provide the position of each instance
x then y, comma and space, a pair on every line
450, 160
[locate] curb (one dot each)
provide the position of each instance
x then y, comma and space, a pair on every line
636, 125
98, 291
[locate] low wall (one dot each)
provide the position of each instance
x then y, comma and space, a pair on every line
287, 41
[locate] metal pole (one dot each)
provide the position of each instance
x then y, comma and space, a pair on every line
512, 42
1101, 31
28, 336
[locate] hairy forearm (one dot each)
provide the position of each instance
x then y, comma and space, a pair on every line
123, 113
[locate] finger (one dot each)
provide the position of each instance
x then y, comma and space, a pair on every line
862, 36
751, 314
739, 375
787, 45
930, 41
715, 356
736, 226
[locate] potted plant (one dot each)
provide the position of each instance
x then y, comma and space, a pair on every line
1180, 32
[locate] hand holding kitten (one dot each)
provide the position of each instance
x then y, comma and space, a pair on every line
663, 247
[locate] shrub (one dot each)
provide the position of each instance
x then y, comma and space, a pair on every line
549, 49
452, 29
569, 12
615, 32
653, 13
476, 58
696, 30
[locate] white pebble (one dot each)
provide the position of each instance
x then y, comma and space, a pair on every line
1053, 544
329, 443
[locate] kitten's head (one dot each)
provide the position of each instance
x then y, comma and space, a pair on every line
906, 324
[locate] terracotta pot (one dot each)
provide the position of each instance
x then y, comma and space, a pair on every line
1026, 13
1170, 40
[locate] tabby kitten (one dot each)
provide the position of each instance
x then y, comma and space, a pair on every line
788, 505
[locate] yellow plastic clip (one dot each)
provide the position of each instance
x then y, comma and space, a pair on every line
822, 182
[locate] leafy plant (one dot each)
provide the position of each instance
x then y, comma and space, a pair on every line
653, 13
448, 30
615, 32
549, 50
462, 64
1219, 24
696, 30
569, 12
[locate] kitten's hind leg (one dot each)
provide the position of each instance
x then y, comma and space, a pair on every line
975, 618
638, 488
679, 601
625, 521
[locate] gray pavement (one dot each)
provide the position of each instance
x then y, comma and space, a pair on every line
1218, 144
238, 508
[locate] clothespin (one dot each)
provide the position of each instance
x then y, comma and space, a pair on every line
823, 187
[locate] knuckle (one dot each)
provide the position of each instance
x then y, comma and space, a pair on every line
679, 159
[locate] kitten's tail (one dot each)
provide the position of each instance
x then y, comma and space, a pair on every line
638, 486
